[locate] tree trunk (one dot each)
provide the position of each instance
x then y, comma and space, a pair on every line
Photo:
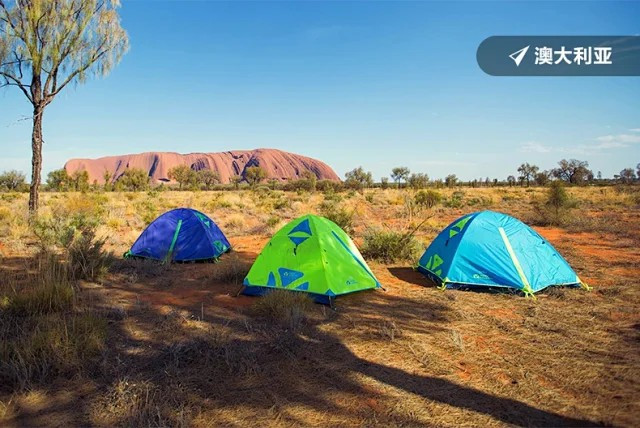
36, 159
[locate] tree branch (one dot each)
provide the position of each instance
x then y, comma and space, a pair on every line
52, 77
95, 57
18, 83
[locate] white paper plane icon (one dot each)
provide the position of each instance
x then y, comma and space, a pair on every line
518, 55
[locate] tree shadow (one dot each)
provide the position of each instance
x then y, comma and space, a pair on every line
248, 369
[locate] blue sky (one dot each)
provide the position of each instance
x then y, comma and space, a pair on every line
377, 84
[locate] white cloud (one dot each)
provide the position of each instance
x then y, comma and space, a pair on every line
634, 130
535, 147
605, 142
604, 145
617, 141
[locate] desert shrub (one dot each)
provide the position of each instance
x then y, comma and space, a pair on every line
287, 308
262, 192
273, 221
87, 257
12, 181
410, 206
332, 196
281, 203
147, 211
428, 198
133, 179
338, 215
389, 246
328, 186
307, 183
481, 201
58, 230
78, 212
9, 197
87, 205
555, 209
455, 201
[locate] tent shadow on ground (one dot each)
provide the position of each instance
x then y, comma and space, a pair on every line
411, 276
271, 369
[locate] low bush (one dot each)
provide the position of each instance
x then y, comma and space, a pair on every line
147, 211
273, 221
389, 246
329, 186
332, 196
87, 257
556, 208
428, 198
9, 197
338, 215
455, 201
66, 220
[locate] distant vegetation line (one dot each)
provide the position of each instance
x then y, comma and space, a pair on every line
571, 172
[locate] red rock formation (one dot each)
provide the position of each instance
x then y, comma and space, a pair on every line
278, 164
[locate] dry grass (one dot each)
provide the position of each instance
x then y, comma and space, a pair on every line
41, 336
287, 308
231, 269
140, 404
170, 345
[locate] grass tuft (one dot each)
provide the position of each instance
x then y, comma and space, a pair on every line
287, 308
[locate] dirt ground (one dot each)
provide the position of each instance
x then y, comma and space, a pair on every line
183, 349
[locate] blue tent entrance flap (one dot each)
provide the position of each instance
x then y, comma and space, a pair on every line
178, 235
490, 249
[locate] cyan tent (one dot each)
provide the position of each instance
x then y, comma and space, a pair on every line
490, 249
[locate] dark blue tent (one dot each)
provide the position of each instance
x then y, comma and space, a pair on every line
180, 235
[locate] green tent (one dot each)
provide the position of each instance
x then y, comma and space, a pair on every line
313, 255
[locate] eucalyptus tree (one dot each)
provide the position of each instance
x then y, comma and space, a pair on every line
45, 45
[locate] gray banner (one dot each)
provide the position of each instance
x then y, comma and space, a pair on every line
560, 55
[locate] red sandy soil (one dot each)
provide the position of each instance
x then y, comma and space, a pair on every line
492, 328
